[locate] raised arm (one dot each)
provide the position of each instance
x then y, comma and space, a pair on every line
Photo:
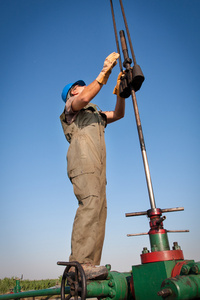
84, 94
118, 112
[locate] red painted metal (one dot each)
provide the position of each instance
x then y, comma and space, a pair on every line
177, 269
132, 288
154, 212
156, 231
161, 256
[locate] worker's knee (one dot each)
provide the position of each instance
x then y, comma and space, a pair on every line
86, 185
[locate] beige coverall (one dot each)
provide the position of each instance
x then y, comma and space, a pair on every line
86, 168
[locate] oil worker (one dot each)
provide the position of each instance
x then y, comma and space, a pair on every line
83, 126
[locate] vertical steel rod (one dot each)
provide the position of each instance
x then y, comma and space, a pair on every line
137, 117
143, 150
116, 37
128, 34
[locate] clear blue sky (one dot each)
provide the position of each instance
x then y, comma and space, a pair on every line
46, 44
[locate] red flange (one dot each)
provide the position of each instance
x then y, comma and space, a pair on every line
177, 269
161, 256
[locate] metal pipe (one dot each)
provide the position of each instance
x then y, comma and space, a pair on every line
127, 60
128, 34
172, 209
127, 65
175, 231
143, 150
135, 214
137, 234
116, 37
182, 287
28, 294
115, 287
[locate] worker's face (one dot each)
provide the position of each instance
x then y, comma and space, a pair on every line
77, 89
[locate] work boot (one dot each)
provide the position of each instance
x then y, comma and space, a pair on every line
95, 272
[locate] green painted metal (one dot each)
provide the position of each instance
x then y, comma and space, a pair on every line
185, 270
195, 269
148, 278
116, 287
159, 242
28, 294
17, 288
183, 287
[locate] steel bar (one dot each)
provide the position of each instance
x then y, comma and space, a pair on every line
128, 34
127, 63
116, 36
135, 214
171, 231
137, 234
143, 213
172, 209
143, 150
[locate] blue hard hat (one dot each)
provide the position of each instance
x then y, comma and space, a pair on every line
69, 86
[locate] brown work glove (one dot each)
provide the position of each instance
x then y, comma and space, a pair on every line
116, 89
109, 63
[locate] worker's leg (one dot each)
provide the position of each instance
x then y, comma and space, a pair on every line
101, 227
102, 208
86, 222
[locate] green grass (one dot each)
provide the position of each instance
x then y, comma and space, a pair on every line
8, 284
